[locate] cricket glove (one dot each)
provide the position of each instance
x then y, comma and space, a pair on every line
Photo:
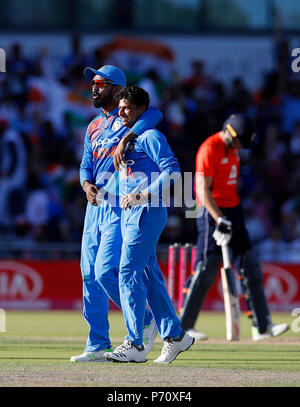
223, 231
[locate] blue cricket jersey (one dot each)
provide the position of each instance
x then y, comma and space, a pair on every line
151, 165
101, 139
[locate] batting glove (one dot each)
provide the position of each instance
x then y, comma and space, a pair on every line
223, 231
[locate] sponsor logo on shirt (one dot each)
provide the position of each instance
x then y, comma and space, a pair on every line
104, 142
104, 152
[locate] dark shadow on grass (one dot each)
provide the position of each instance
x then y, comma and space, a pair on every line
237, 350
27, 358
252, 361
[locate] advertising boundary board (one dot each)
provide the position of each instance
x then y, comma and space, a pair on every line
45, 285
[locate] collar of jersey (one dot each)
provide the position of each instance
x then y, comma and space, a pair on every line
111, 113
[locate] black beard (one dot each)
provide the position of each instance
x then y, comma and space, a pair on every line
103, 101
98, 102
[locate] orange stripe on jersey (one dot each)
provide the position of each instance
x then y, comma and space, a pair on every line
222, 164
113, 151
98, 123
96, 128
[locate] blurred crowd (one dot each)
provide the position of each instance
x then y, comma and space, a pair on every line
44, 112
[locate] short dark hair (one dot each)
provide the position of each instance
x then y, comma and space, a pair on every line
134, 94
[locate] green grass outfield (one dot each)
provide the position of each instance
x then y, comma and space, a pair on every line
36, 347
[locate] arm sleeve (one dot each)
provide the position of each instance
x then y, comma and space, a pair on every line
205, 161
86, 166
149, 119
156, 147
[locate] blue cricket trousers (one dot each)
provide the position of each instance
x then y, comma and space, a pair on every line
100, 258
140, 277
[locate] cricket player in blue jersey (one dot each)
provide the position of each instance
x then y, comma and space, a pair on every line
101, 241
150, 163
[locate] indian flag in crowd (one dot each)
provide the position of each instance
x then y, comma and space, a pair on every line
137, 56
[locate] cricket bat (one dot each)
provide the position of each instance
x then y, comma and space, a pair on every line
231, 299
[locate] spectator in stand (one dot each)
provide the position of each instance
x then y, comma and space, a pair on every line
199, 79
295, 139
273, 248
150, 83
13, 161
49, 114
18, 71
239, 97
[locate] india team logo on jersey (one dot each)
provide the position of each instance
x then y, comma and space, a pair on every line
116, 125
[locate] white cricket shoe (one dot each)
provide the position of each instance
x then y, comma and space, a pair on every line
172, 348
91, 356
149, 334
273, 330
127, 352
199, 336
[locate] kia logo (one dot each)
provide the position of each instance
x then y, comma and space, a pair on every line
279, 284
19, 281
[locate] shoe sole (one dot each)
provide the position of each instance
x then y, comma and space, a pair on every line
271, 336
165, 363
286, 329
200, 338
262, 339
87, 361
125, 361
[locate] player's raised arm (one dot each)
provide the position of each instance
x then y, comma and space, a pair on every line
155, 145
149, 119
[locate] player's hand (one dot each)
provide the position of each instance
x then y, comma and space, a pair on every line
118, 157
130, 200
99, 198
90, 192
223, 231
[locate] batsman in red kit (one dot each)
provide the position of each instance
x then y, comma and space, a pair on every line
221, 221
